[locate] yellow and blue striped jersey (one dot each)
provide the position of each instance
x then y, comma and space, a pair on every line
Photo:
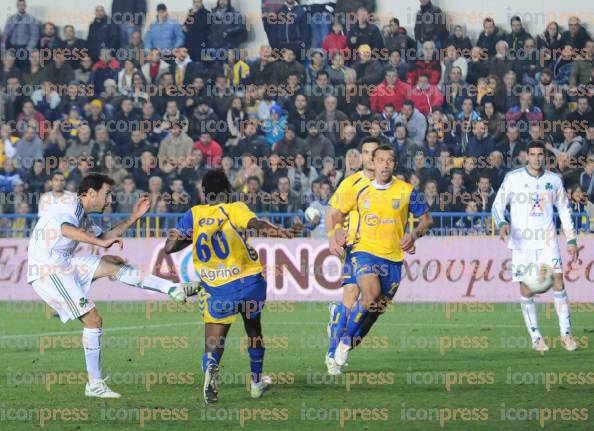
221, 253
382, 213
346, 192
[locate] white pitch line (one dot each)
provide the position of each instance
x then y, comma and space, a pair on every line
321, 324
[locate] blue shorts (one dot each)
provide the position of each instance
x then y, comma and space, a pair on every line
348, 269
222, 304
389, 272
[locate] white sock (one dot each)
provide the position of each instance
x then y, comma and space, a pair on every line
132, 276
92, 345
530, 319
562, 309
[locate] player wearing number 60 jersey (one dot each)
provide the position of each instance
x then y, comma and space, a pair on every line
231, 274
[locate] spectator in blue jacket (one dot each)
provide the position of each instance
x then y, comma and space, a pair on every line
562, 67
164, 34
274, 128
480, 145
21, 33
363, 32
294, 31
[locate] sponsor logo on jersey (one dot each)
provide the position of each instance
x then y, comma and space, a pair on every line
220, 272
548, 186
371, 220
537, 205
209, 221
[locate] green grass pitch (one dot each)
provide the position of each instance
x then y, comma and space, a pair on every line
423, 367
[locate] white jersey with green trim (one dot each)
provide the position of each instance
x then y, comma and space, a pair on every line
49, 251
532, 200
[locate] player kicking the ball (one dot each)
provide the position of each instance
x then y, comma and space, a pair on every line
230, 272
63, 280
383, 206
532, 192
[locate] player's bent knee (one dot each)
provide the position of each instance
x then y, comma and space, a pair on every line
369, 302
558, 282
92, 319
350, 295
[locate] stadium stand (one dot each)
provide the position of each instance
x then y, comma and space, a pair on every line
155, 102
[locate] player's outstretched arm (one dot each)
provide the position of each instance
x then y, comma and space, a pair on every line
267, 229
176, 241
80, 235
140, 208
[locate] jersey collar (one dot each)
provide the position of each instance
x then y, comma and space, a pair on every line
534, 176
382, 186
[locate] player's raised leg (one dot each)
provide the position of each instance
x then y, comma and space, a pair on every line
115, 267
66, 292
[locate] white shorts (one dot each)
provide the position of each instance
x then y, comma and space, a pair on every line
521, 259
66, 292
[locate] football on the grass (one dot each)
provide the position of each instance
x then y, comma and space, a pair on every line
538, 277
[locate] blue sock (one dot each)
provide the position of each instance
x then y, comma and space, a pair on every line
256, 362
209, 358
353, 326
337, 327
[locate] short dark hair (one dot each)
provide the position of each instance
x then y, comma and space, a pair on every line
457, 171
383, 147
95, 181
535, 144
56, 173
216, 186
369, 140
253, 178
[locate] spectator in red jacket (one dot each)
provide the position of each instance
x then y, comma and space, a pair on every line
335, 41
391, 91
426, 96
29, 117
210, 149
429, 65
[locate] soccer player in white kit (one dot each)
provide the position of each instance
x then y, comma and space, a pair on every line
532, 192
63, 280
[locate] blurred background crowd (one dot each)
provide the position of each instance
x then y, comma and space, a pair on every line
155, 104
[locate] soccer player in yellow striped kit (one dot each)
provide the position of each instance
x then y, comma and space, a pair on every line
230, 272
382, 206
